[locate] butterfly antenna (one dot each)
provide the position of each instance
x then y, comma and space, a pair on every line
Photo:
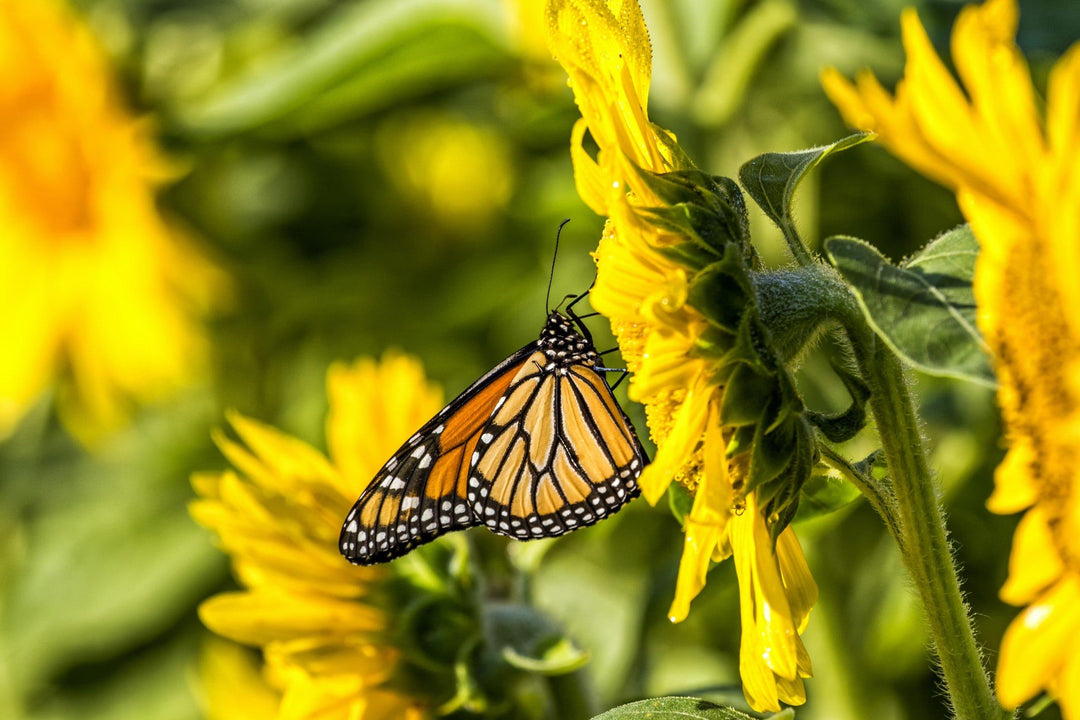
551, 276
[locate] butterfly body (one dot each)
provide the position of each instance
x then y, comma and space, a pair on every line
535, 448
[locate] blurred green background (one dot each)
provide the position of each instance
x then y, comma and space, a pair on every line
390, 173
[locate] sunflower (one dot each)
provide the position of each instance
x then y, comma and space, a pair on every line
1018, 184
687, 350
326, 628
102, 293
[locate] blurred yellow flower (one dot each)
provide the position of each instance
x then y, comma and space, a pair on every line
99, 291
232, 685
459, 173
1017, 181
322, 624
604, 48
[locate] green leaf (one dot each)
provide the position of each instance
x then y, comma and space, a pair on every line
364, 58
925, 309
771, 180
114, 531
824, 494
528, 640
673, 708
561, 658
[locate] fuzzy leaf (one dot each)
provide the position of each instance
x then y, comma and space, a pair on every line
824, 494
924, 309
673, 708
771, 178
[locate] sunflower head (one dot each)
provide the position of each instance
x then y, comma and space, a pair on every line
406, 639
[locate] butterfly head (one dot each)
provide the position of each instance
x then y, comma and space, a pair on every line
563, 344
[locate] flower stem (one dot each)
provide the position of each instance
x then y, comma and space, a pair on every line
925, 547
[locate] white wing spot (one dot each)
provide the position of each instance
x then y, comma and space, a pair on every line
352, 526
426, 515
410, 502
460, 508
424, 462
419, 452
395, 483
486, 438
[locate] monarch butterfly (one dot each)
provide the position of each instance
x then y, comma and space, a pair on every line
535, 448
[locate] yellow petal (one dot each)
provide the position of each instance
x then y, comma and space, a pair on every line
1034, 563
680, 443
1037, 643
233, 688
256, 618
706, 524
1013, 487
1065, 688
799, 585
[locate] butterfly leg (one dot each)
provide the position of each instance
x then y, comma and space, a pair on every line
624, 373
577, 299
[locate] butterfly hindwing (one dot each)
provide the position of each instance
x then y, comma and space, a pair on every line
419, 493
558, 453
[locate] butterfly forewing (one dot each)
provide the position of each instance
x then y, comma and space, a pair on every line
419, 493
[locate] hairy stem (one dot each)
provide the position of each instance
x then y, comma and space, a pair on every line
925, 547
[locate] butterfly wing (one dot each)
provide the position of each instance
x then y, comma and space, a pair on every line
557, 455
419, 493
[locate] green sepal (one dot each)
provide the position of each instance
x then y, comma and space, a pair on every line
925, 309
678, 156
842, 426
746, 393
673, 708
747, 346
742, 440
771, 180
690, 254
711, 207
720, 295
772, 451
783, 504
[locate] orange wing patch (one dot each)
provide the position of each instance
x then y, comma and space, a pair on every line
557, 455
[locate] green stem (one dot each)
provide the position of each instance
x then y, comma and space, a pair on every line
925, 547
880, 498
